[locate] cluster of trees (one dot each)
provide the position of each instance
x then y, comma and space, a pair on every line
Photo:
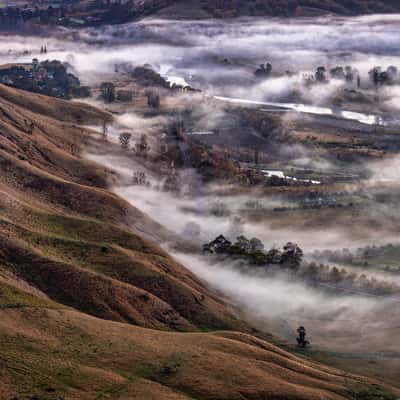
109, 94
290, 258
358, 257
264, 71
147, 77
336, 256
334, 277
381, 77
210, 163
16, 17
140, 179
253, 251
48, 77
377, 75
141, 148
321, 75
347, 74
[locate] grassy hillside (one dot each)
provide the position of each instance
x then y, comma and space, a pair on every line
90, 308
51, 352
64, 233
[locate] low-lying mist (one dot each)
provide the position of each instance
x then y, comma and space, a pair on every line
223, 55
199, 217
277, 303
280, 305
217, 212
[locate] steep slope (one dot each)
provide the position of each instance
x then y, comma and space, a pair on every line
81, 285
65, 234
49, 352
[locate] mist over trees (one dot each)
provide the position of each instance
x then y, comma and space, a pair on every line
251, 253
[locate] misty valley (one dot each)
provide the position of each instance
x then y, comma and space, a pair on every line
256, 161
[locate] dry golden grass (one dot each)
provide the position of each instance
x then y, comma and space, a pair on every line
65, 234
80, 282
81, 357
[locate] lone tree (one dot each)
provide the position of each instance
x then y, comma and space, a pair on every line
375, 76
105, 128
220, 245
292, 256
153, 99
350, 73
320, 75
124, 139
107, 92
142, 147
391, 74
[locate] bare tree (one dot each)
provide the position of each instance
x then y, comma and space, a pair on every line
105, 128
124, 139
142, 147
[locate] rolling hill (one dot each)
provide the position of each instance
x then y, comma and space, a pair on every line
298, 7
236, 8
123, 12
92, 307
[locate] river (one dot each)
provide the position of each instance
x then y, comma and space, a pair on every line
367, 119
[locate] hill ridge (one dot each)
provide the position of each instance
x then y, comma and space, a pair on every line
91, 308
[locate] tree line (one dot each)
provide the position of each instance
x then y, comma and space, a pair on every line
290, 259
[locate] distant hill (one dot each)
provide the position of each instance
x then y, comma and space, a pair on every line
116, 13
236, 8
97, 13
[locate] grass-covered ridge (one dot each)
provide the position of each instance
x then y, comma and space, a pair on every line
90, 308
